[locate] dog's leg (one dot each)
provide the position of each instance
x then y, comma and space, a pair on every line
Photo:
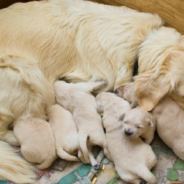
146, 175
7, 135
91, 86
96, 165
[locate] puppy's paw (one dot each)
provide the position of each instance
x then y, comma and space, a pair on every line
97, 166
143, 182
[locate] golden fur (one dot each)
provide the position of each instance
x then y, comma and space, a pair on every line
77, 98
37, 141
65, 132
133, 159
74, 40
13, 167
160, 68
170, 124
139, 123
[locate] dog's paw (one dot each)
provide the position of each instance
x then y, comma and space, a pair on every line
97, 166
143, 182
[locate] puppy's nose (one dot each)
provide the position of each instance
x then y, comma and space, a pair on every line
128, 132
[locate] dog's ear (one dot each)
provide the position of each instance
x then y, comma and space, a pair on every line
120, 91
150, 123
122, 117
134, 104
150, 87
100, 109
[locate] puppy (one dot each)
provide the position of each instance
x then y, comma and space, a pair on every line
81, 103
139, 123
37, 141
65, 132
125, 152
170, 124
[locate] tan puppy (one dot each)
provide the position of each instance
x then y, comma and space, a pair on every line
125, 152
37, 141
170, 124
139, 123
65, 132
81, 103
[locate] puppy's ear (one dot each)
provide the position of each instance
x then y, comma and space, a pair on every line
120, 91
150, 87
100, 109
150, 123
122, 117
134, 104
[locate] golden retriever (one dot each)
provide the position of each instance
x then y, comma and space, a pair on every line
160, 68
71, 39
65, 132
125, 152
37, 141
77, 98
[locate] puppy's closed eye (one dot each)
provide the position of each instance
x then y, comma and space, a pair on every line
139, 126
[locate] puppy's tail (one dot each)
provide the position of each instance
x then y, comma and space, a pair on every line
13, 167
83, 146
64, 155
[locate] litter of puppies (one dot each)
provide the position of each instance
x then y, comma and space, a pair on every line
55, 71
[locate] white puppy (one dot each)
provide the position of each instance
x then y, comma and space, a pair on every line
139, 123
170, 124
37, 141
132, 157
81, 103
65, 132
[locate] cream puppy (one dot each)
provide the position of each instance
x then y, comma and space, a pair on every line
139, 123
65, 132
170, 124
125, 152
81, 103
37, 141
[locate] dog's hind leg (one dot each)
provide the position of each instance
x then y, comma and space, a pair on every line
64, 155
146, 175
96, 165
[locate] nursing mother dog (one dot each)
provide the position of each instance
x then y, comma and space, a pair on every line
70, 39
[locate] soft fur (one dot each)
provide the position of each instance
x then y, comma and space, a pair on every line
37, 141
65, 132
160, 68
127, 92
13, 167
70, 39
139, 123
77, 98
133, 158
170, 124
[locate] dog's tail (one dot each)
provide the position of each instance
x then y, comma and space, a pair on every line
13, 167
64, 155
82, 137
